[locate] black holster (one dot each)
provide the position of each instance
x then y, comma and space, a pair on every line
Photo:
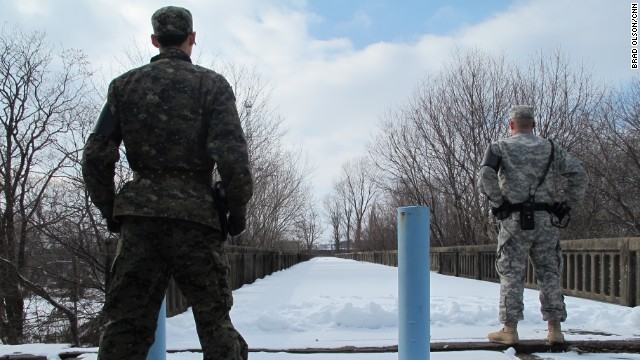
527, 217
220, 199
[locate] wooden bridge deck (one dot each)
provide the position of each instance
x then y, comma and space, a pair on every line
524, 349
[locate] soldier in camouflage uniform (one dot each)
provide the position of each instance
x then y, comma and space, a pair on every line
519, 176
176, 120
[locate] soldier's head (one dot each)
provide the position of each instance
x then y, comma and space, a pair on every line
173, 28
521, 119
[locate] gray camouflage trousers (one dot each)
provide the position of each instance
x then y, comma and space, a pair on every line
150, 250
542, 246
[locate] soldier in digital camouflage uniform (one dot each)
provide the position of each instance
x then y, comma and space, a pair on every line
176, 121
519, 173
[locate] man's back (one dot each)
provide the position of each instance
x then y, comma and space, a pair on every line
165, 110
524, 158
176, 121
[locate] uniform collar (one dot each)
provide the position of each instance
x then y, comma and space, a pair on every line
524, 134
172, 53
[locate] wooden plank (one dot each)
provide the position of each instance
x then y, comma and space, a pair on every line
536, 346
525, 347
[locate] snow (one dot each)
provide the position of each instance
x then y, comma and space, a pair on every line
331, 303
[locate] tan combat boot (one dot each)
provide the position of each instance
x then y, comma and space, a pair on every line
555, 333
508, 335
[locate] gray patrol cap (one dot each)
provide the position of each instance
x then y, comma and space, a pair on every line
521, 111
172, 20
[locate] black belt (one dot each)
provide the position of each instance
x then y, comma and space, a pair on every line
198, 175
536, 207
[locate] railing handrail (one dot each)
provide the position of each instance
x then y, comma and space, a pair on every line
587, 244
599, 269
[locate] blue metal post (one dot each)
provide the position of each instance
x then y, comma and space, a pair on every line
413, 283
158, 350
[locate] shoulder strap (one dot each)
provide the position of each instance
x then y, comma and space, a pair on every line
546, 170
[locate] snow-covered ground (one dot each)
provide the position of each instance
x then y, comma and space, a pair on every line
330, 303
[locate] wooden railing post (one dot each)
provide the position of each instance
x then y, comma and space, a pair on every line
626, 279
635, 281
456, 263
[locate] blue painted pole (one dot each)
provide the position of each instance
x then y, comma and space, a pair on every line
413, 283
158, 350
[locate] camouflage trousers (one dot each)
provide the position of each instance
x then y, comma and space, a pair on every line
151, 250
515, 248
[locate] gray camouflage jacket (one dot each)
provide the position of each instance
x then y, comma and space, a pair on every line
522, 160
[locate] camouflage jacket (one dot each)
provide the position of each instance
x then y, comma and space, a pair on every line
522, 161
176, 120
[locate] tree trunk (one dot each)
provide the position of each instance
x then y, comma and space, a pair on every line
12, 307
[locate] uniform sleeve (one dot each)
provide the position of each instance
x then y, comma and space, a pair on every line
488, 180
227, 146
571, 168
99, 158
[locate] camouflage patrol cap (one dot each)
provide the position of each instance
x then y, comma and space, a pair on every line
172, 20
521, 111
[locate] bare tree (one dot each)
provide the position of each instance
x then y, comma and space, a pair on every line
281, 175
332, 214
76, 250
356, 190
40, 93
613, 163
564, 94
380, 230
308, 228
339, 211
429, 150
276, 204
346, 218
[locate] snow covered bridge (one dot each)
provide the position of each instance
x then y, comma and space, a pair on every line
330, 303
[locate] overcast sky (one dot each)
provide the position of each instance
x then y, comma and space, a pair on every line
336, 66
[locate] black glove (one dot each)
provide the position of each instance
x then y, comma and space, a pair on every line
236, 225
560, 210
113, 225
502, 212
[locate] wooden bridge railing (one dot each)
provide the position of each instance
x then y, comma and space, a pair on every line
597, 269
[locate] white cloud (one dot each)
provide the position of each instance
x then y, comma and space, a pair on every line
33, 7
332, 104
359, 22
445, 14
592, 31
330, 93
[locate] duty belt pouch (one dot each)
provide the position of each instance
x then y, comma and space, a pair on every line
527, 218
